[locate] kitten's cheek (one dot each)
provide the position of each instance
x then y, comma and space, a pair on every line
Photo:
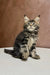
28, 27
33, 28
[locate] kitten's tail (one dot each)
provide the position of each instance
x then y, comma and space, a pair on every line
8, 51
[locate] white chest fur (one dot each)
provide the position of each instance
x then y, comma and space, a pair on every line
30, 42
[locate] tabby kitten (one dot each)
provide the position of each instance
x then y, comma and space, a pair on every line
25, 43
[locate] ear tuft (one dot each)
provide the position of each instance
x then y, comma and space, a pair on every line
37, 19
24, 15
38, 15
26, 19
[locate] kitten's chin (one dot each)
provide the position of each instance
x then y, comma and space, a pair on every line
31, 30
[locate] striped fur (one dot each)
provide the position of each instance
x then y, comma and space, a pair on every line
25, 43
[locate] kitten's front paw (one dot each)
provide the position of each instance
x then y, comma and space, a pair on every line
25, 55
24, 59
36, 56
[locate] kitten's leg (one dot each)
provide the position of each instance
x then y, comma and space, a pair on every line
33, 53
25, 52
24, 49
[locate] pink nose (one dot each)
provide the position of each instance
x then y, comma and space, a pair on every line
30, 24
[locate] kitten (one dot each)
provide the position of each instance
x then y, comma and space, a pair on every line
25, 43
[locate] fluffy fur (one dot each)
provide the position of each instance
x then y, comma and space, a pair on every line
25, 43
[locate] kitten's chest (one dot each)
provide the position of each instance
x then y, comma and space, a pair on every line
30, 42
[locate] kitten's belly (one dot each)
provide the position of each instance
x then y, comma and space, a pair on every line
30, 42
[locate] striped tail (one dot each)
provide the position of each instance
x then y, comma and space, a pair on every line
8, 51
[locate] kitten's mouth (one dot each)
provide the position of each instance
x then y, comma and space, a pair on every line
31, 28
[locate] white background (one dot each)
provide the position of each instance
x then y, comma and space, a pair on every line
14, 66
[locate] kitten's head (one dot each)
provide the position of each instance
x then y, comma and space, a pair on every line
31, 25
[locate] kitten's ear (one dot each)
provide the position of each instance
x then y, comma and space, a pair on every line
37, 19
26, 19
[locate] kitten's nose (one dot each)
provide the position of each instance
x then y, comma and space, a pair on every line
30, 24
